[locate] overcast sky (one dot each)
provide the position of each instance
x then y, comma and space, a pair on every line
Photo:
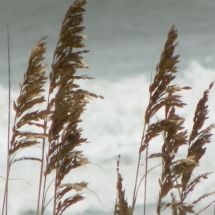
125, 37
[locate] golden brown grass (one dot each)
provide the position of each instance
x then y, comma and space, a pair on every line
59, 135
176, 174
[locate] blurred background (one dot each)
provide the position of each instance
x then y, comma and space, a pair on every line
125, 39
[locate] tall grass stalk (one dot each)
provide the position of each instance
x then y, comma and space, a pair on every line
57, 125
176, 173
5, 200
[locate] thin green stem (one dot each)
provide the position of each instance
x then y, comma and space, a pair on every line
137, 173
145, 184
41, 176
42, 164
5, 201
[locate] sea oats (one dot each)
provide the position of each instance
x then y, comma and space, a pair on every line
59, 132
67, 102
31, 94
163, 94
121, 206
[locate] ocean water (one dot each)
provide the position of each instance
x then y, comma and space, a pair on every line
125, 39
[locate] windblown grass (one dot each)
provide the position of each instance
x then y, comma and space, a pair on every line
60, 134
56, 129
175, 179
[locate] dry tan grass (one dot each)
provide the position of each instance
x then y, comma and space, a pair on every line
59, 133
121, 206
176, 174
